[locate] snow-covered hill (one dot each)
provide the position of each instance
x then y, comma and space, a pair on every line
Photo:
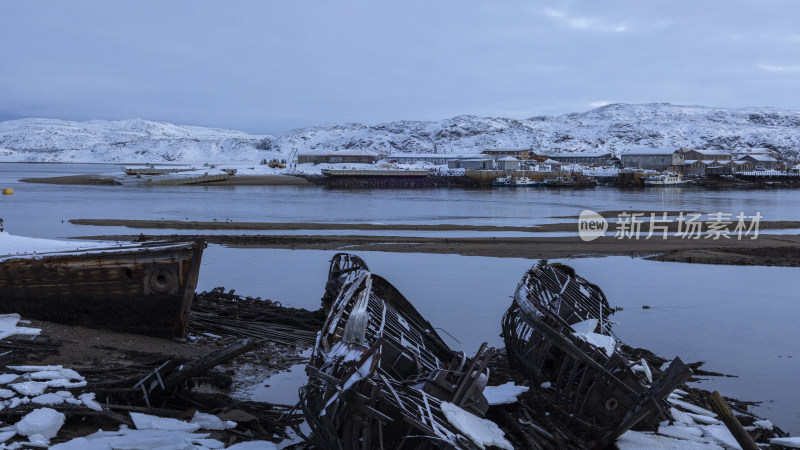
613, 128
136, 140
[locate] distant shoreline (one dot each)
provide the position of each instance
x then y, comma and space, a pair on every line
767, 250
239, 180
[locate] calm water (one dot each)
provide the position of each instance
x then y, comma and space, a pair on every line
741, 320
39, 209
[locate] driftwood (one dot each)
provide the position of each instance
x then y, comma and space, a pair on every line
213, 359
720, 406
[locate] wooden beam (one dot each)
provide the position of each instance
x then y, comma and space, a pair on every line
720, 406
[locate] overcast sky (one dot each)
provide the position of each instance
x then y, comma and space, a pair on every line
266, 67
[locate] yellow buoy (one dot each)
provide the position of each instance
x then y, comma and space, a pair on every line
8, 191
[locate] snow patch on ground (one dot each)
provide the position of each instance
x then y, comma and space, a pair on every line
8, 327
503, 394
585, 331
480, 431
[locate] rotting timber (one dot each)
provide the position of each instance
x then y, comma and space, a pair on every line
595, 387
380, 377
143, 289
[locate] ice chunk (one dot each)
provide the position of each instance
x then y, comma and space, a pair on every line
680, 416
681, 432
503, 394
706, 420
546, 385
585, 331
6, 378
138, 439
791, 442
690, 407
37, 440
34, 368
637, 440
585, 327
721, 434
43, 421
48, 399
67, 374
208, 421
6, 393
8, 326
763, 424
90, 402
148, 422
254, 445
209, 443
480, 431
30, 387
647, 372
64, 383
6, 435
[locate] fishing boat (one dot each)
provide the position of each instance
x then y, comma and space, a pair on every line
557, 330
381, 377
665, 179
502, 181
144, 288
515, 181
523, 181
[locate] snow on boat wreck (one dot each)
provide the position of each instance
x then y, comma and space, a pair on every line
557, 330
145, 289
380, 376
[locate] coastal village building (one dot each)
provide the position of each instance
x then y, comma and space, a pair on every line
738, 154
339, 156
474, 163
432, 158
765, 161
508, 163
654, 158
581, 157
521, 154
707, 155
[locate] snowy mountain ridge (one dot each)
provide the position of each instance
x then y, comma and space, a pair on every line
614, 128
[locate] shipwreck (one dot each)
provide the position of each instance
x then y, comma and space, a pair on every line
380, 376
146, 288
558, 331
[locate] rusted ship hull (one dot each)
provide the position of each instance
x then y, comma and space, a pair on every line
380, 377
144, 289
594, 386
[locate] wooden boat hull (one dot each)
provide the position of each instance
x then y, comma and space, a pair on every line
144, 289
596, 389
380, 374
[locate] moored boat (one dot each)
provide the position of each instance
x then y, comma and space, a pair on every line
502, 181
523, 181
557, 330
515, 181
665, 179
144, 288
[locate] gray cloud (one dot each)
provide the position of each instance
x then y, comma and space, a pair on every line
265, 67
